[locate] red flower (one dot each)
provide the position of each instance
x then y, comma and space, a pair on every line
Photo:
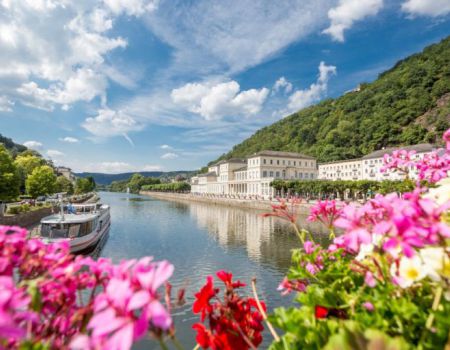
203, 337
226, 277
202, 298
321, 312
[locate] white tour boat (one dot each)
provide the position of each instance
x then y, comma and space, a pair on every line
83, 225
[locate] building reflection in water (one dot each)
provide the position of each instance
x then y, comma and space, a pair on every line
266, 240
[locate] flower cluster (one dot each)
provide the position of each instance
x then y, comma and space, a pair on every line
399, 160
51, 298
235, 322
392, 258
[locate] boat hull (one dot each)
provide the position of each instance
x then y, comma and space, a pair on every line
78, 245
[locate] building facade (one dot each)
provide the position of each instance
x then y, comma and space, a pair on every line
66, 172
369, 166
253, 175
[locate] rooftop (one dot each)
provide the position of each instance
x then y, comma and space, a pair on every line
419, 148
69, 218
211, 173
240, 169
281, 154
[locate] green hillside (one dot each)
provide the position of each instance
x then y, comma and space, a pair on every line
407, 104
10, 145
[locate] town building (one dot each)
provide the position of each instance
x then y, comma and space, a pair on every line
369, 166
66, 172
253, 175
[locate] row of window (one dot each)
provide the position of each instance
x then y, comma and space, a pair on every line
281, 162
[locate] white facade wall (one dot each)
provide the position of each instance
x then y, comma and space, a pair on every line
234, 178
365, 168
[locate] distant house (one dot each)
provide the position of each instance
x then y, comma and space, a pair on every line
253, 175
369, 166
66, 172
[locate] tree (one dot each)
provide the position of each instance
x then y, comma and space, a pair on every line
84, 185
26, 163
42, 181
9, 177
64, 185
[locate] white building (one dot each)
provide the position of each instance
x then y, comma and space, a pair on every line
369, 166
66, 172
253, 175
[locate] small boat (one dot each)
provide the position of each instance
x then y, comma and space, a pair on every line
83, 225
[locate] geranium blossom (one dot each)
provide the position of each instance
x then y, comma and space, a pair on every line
235, 322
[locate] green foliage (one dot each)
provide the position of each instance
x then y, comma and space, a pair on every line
84, 185
9, 177
398, 320
337, 189
17, 209
386, 112
42, 181
64, 185
168, 187
136, 182
11, 146
26, 162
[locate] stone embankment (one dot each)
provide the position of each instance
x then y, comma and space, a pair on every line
258, 204
26, 219
31, 218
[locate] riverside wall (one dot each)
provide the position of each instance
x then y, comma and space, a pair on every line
26, 219
263, 205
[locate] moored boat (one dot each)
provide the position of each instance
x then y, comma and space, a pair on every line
83, 225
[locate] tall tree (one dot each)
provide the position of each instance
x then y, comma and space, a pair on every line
64, 185
42, 181
9, 177
26, 163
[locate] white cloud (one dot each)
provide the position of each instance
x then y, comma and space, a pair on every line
54, 51
233, 35
53, 153
69, 139
36, 145
282, 84
84, 85
214, 101
131, 7
169, 155
150, 167
433, 8
165, 147
111, 123
6, 104
347, 12
303, 98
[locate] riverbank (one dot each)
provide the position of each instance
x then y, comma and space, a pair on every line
258, 204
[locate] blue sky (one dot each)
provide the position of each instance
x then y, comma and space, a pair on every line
129, 85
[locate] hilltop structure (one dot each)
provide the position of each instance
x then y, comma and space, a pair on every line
253, 175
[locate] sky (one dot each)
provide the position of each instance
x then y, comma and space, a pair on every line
148, 85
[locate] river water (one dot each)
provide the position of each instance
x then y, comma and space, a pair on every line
200, 239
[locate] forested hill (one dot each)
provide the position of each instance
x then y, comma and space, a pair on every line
408, 104
11, 145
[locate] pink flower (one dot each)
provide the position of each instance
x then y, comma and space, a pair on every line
309, 247
370, 280
286, 286
368, 306
325, 212
399, 160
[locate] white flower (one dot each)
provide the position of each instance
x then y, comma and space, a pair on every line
367, 249
440, 194
410, 270
436, 262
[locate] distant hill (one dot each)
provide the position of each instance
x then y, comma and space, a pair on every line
10, 145
106, 179
408, 104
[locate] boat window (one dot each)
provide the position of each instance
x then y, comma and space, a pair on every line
74, 230
53, 231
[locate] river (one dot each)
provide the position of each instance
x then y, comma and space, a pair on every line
200, 239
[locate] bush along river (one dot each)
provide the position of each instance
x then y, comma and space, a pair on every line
200, 239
